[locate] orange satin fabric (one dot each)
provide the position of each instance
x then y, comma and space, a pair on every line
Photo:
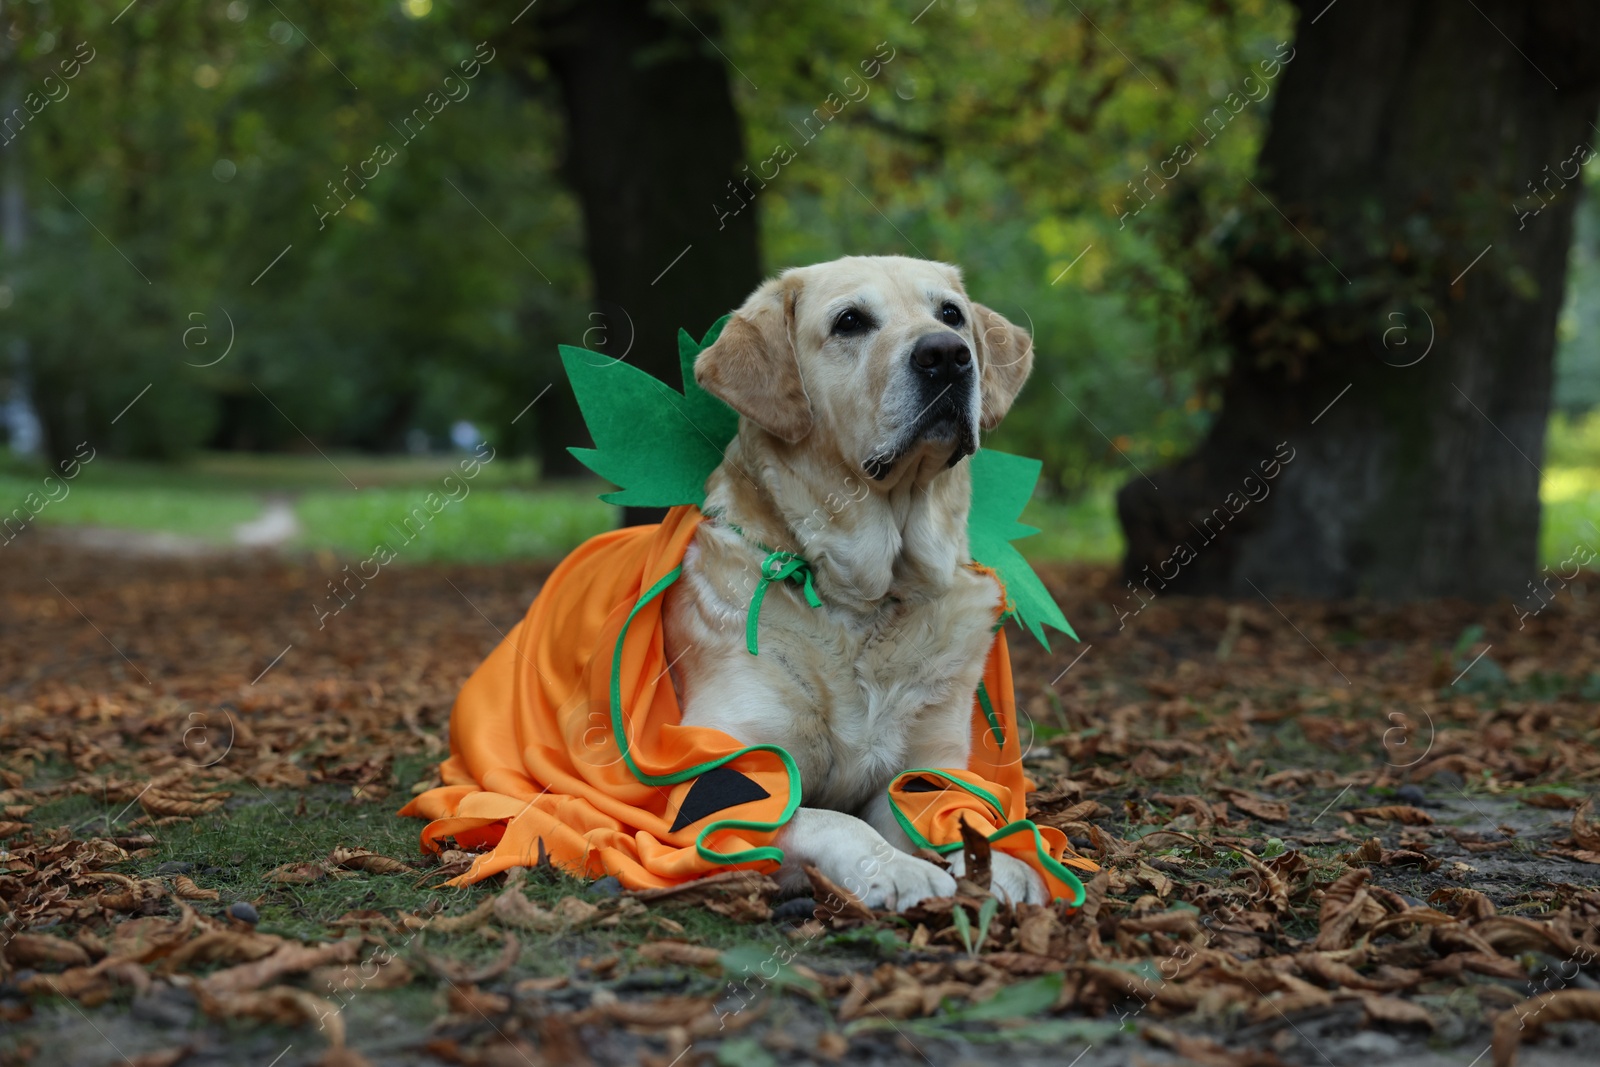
534, 762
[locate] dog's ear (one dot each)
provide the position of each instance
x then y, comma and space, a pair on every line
1005, 356
753, 366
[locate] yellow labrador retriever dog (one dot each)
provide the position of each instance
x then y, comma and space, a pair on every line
865, 380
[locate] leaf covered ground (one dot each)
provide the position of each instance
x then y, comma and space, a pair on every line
1332, 833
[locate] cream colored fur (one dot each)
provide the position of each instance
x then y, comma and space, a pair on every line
879, 679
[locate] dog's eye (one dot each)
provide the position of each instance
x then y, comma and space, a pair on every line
851, 321
951, 315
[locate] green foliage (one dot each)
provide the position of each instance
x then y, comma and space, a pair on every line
489, 525
744, 1052
1015, 1001
1083, 529
876, 941
203, 140
1014, 139
963, 925
201, 144
1004, 138
504, 514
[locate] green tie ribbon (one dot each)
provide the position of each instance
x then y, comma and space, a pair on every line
779, 567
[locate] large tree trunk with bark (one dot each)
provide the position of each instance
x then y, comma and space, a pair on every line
653, 141
1401, 356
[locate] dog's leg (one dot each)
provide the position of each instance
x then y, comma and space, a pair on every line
856, 857
1012, 880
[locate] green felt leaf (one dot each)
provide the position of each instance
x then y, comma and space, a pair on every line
1002, 484
656, 444
718, 420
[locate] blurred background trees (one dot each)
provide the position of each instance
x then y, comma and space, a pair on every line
1416, 189
620, 168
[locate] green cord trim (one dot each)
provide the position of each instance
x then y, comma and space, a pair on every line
912, 832
778, 567
749, 855
1050, 863
988, 713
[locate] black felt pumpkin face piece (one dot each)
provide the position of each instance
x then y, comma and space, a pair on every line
716, 790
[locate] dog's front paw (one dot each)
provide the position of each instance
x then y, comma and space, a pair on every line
1011, 880
891, 880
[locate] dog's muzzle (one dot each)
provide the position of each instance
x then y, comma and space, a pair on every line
945, 375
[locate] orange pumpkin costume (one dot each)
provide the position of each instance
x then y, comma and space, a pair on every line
568, 740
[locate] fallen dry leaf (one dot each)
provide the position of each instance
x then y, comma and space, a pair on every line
1557, 801
1205, 1051
458, 972
1150, 766
655, 1013
1401, 813
723, 885
1585, 834
382, 971
977, 874
185, 888
470, 1000
361, 859
1394, 1011
835, 904
151, 938
1036, 926
290, 959
1524, 1020
1259, 807
341, 1056
158, 804
1159, 883
297, 873
280, 1005
41, 950
450, 924
680, 952
166, 1057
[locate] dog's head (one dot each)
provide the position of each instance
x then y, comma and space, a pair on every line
884, 358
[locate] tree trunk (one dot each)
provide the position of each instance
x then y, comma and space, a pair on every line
653, 141
1407, 142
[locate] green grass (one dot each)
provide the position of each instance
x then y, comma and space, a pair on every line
210, 516
1084, 530
232, 851
1571, 488
483, 526
501, 513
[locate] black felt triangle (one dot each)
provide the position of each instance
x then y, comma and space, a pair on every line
921, 785
719, 788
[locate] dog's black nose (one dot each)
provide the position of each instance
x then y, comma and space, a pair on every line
942, 357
